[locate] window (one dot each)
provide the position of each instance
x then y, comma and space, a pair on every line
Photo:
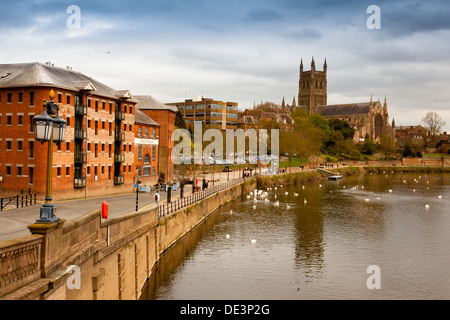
96, 105
68, 99
147, 171
30, 175
96, 150
20, 97
88, 170
129, 168
20, 119
139, 152
96, 171
68, 121
67, 171
154, 133
103, 147
130, 126
8, 170
147, 159
103, 169
103, 125
31, 123
96, 127
110, 128
31, 100
89, 103
8, 145
59, 97
139, 132
58, 171
146, 133
8, 120
109, 150
19, 145
19, 171
103, 105
153, 152
131, 110
67, 146
110, 108
31, 146
9, 97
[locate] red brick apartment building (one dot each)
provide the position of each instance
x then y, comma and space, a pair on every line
146, 142
164, 115
98, 155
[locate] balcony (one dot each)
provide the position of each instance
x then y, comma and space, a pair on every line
120, 157
118, 179
80, 134
80, 110
119, 136
120, 115
80, 157
79, 182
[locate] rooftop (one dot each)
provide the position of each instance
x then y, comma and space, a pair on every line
140, 117
147, 102
344, 109
40, 74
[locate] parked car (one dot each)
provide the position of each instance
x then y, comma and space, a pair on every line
227, 169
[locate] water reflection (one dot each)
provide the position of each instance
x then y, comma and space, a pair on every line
321, 248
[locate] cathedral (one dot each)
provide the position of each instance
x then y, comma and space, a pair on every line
369, 119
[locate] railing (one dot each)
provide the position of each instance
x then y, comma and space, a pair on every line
118, 180
120, 115
80, 134
18, 201
79, 182
19, 262
81, 110
120, 157
167, 208
120, 136
80, 157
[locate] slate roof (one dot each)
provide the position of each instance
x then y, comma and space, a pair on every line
140, 117
40, 74
247, 120
149, 103
344, 109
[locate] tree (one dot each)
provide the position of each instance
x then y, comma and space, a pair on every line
179, 120
407, 151
433, 123
342, 126
369, 147
387, 145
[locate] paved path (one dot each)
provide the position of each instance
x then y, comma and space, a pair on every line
14, 222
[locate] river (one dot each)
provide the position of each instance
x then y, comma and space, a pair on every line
321, 248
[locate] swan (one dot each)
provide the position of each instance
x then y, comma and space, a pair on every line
254, 206
253, 241
288, 206
439, 197
227, 236
286, 193
366, 199
295, 194
304, 201
390, 190
427, 206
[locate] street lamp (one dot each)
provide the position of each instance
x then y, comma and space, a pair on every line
49, 127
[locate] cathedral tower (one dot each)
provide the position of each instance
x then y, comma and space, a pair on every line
312, 87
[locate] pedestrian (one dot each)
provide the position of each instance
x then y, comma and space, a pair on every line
157, 198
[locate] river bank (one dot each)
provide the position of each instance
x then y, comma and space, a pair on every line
310, 176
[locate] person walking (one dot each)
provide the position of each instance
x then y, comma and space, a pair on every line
157, 198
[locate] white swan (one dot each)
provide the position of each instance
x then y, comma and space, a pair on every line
427, 206
227, 236
439, 197
252, 241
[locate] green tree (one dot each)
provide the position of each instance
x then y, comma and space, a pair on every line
407, 151
179, 120
387, 145
369, 147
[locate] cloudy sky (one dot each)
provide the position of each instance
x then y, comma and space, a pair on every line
244, 50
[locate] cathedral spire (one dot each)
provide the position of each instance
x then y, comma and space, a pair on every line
313, 64
385, 104
301, 65
325, 65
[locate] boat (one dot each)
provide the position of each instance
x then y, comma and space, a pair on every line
335, 177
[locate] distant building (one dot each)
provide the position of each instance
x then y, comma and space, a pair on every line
146, 142
164, 115
404, 134
247, 122
97, 157
312, 87
369, 119
213, 113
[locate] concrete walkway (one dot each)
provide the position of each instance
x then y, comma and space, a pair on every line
14, 222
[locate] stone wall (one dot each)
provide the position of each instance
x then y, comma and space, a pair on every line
108, 259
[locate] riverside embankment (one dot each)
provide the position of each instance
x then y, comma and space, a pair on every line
91, 258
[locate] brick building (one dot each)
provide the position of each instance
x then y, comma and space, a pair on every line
97, 157
164, 115
214, 113
146, 142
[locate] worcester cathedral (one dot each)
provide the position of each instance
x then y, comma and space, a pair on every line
370, 119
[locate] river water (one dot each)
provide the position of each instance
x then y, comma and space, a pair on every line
320, 249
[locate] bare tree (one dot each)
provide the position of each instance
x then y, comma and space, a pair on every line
433, 123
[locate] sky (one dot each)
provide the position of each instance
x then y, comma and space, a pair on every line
244, 51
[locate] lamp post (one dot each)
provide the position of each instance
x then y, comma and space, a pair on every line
49, 127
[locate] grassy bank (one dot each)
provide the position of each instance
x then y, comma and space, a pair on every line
303, 177
408, 169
